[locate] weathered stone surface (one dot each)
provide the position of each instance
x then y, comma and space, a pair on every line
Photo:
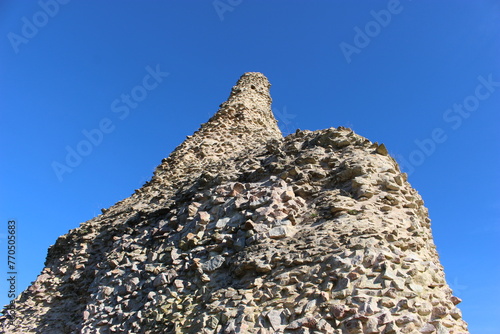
279, 232
214, 263
243, 231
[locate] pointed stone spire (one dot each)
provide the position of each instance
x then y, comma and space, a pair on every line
244, 122
249, 108
251, 90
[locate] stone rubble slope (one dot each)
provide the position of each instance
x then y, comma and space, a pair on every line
243, 231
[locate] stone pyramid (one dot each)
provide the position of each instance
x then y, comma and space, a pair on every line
243, 231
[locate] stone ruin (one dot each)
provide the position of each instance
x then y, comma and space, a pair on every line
243, 231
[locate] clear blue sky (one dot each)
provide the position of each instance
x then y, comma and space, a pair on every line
395, 72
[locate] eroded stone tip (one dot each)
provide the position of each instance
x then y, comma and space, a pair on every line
252, 90
254, 74
254, 80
